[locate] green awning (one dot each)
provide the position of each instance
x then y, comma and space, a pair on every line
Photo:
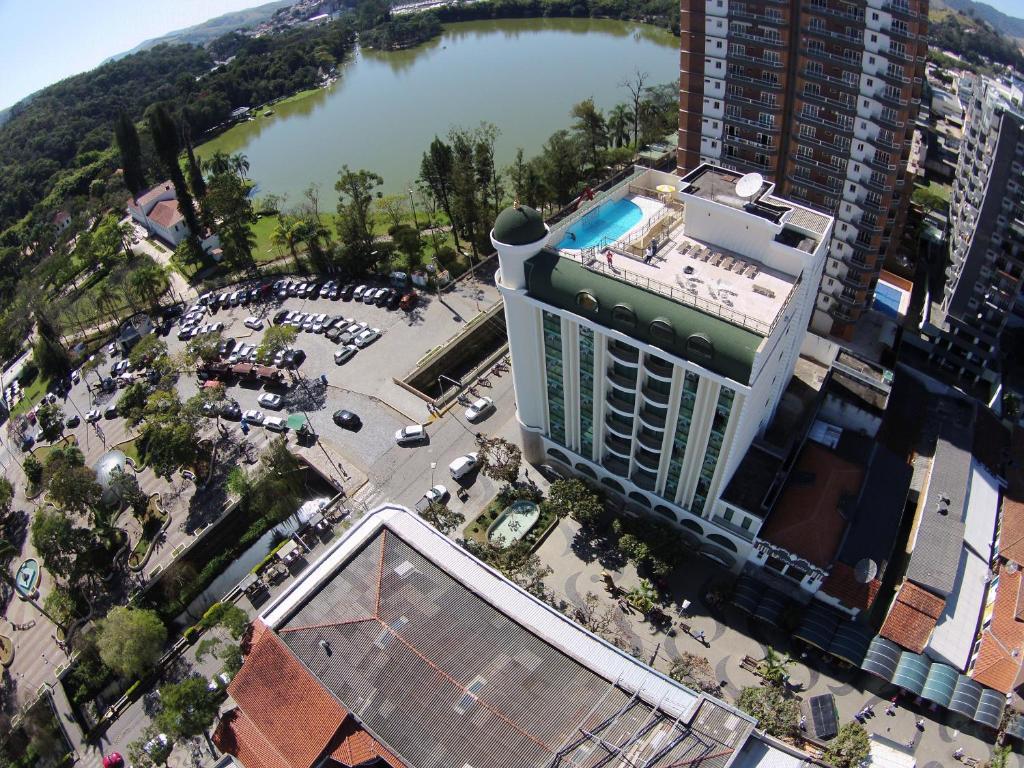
818, 626
911, 672
941, 683
990, 708
882, 658
850, 642
966, 696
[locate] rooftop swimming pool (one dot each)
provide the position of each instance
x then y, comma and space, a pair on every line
888, 299
603, 225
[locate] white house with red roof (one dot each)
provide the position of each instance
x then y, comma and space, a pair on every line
157, 210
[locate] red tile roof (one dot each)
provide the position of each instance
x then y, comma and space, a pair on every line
151, 194
842, 584
166, 213
807, 521
912, 617
997, 666
274, 692
1011, 530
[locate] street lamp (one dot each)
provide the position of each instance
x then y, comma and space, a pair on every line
415, 221
433, 466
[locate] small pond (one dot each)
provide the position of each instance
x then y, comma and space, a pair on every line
513, 523
27, 579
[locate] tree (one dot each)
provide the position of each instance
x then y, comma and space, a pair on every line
636, 94
850, 748
6, 497
169, 434
228, 202
775, 712
74, 489
1000, 758
189, 708
147, 350
151, 749
643, 596
131, 640
618, 125
694, 671
355, 197
774, 667
167, 143
57, 541
61, 605
124, 491
227, 615
393, 207
637, 551
205, 348
33, 470
148, 282
592, 129
51, 421
441, 517
195, 173
576, 499
276, 338
500, 459
128, 146
436, 174
561, 166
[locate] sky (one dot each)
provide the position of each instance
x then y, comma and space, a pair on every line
41, 44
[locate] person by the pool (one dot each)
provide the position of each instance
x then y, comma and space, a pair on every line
572, 236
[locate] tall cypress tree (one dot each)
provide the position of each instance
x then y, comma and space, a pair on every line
195, 173
131, 153
168, 146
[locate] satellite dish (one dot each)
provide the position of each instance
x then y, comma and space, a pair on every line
749, 185
865, 570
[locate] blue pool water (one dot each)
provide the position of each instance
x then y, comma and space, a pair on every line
887, 299
603, 225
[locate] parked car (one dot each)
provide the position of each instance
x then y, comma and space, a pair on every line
394, 299
270, 400
346, 419
367, 337
275, 424
110, 411
479, 409
343, 354
369, 295
293, 358
280, 317
225, 347
345, 294
72, 421
254, 323
231, 410
414, 433
380, 298
436, 495
254, 417
357, 294
464, 465
409, 301
93, 416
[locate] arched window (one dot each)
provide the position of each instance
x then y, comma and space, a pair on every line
722, 541
639, 497
700, 346
662, 332
623, 316
586, 470
692, 525
661, 509
557, 454
586, 301
614, 485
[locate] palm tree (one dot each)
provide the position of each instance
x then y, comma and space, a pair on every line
775, 667
287, 235
618, 125
148, 283
107, 297
219, 162
240, 164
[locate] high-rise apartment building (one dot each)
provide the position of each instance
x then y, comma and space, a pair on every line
982, 293
653, 338
819, 96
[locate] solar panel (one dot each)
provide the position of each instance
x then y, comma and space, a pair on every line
823, 715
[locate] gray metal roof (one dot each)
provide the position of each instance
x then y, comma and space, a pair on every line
444, 679
940, 534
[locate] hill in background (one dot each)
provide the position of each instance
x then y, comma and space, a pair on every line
1011, 26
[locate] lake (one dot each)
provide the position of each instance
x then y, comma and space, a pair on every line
523, 75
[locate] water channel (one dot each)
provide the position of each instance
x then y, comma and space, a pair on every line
523, 75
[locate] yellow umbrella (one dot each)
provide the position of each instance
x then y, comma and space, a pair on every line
667, 189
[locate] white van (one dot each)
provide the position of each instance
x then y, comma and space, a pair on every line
463, 465
275, 424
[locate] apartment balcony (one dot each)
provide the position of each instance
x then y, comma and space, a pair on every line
878, 185
833, 34
892, 122
732, 528
777, 42
646, 461
756, 124
806, 117
643, 480
620, 405
757, 60
819, 98
817, 185
828, 168
654, 397
659, 368
618, 446
624, 354
620, 426
760, 82
760, 18
627, 383
648, 442
616, 465
758, 102
652, 419
812, 74
898, 8
824, 10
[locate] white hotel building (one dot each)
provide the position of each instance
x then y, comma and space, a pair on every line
653, 377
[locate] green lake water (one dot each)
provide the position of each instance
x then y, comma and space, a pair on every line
523, 75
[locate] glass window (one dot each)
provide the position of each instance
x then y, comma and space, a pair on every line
623, 315
700, 346
586, 301
662, 332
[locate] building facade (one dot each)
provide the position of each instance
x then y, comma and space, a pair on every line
652, 376
820, 97
982, 293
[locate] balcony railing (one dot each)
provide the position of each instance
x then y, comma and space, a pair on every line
619, 425
652, 419
758, 60
624, 354
643, 480
618, 446
647, 462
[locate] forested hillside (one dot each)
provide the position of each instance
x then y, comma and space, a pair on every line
974, 40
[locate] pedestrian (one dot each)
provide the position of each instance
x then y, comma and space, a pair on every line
608, 258
920, 724
803, 722
699, 636
958, 753
891, 710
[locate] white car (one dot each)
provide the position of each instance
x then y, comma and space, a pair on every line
479, 409
436, 494
275, 424
270, 400
254, 417
344, 354
155, 745
415, 433
367, 337
93, 416
463, 465
254, 323
357, 294
217, 682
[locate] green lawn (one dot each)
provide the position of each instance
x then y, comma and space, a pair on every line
130, 449
43, 451
33, 394
85, 311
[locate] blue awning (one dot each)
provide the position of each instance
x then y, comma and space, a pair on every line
770, 609
882, 658
850, 642
966, 696
911, 672
818, 626
940, 684
990, 708
1015, 728
746, 594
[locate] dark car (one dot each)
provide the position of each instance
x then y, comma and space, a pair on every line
173, 311
225, 347
293, 358
347, 420
231, 410
333, 333
280, 316
346, 293
73, 421
394, 299
383, 296
108, 385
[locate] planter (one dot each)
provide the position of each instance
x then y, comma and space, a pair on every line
141, 563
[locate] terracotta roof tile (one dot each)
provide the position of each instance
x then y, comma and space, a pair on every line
1011, 531
152, 194
353, 746
166, 213
912, 617
237, 735
274, 691
842, 584
996, 665
807, 520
